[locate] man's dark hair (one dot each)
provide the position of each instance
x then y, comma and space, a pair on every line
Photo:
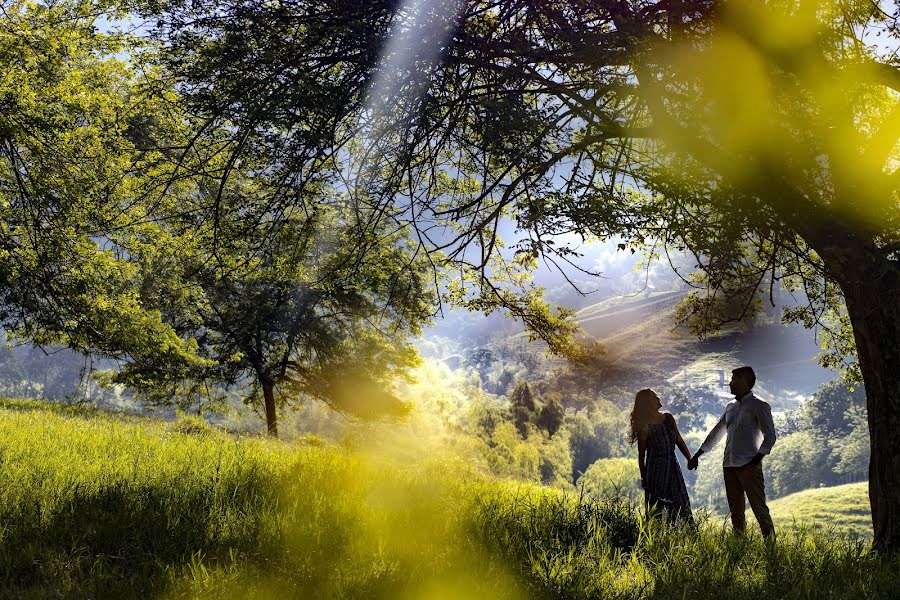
747, 374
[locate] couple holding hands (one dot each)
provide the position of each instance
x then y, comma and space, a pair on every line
749, 435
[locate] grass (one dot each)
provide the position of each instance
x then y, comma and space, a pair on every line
100, 505
843, 509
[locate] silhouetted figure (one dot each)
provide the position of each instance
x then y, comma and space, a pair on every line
657, 436
747, 421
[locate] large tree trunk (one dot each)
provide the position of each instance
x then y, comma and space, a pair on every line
268, 387
871, 287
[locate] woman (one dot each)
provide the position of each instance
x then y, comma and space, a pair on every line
657, 436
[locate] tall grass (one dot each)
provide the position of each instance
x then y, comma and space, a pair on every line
97, 505
566, 547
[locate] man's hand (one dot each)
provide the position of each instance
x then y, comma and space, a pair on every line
755, 460
694, 460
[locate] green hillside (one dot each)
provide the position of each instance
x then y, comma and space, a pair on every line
644, 348
843, 508
96, 505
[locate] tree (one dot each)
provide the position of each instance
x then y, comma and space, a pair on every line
597, 433
759, 137
826, 412
801, 460
551, 416
316, 306
788, 422
852, 452
77, 183
523, 407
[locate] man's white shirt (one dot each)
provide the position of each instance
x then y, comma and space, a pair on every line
749, 428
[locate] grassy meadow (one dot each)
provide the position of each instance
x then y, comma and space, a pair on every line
100, 505
843, 509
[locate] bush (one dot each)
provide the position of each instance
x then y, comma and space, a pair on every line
191, 425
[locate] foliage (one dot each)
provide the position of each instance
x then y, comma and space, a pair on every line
788, 422
523, 407
640, 158
556, 460
535, 458
579, 384
826, 412
130, 233
79, 184
798, 461
597, 433
551, 416
552, 446
852, 452
313, 304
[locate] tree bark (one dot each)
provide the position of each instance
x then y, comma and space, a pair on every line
268, 387
871, 286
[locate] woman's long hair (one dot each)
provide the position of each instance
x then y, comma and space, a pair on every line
644, 411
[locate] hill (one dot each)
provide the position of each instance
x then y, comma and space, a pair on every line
843, 508
96, 504
644, 348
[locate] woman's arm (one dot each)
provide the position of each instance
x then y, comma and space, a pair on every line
679, 441
642, 456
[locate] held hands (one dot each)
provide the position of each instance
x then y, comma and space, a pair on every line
694, 460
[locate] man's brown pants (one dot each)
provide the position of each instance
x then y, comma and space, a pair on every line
747, 480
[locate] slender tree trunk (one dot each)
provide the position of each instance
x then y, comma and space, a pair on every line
871, 287
268, 387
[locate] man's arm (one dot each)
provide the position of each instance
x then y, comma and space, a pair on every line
767, 426
714, 435
710, 442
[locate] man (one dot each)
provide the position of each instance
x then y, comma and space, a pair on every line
750, 436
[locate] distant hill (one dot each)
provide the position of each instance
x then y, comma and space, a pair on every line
644, 348
844, 508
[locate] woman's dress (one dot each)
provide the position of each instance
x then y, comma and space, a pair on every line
664, 486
